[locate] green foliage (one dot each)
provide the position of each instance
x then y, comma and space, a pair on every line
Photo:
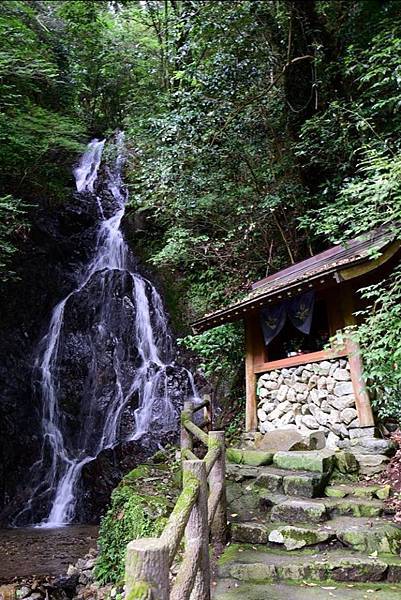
220, 349
258, 132
130, 516
11, 225
379, 337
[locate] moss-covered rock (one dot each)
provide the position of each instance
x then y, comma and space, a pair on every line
345, 462
383, 538
354, 507
253, 458
298, 537
383, 492
334, 491
307, 485
321, 461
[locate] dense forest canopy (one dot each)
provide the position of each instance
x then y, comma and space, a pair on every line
259, 131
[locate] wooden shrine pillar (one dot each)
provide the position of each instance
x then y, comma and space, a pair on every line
250, 376
362, 401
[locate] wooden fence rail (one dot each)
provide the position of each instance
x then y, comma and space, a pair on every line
200, 512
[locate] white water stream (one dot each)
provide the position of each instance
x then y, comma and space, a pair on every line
62, 462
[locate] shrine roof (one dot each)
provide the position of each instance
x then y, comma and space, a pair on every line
329, 266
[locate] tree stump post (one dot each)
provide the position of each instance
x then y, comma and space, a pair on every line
197, 530
217, 482
147, 570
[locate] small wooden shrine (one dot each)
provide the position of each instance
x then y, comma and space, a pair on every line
301, 371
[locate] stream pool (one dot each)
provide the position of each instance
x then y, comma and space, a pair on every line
25, 552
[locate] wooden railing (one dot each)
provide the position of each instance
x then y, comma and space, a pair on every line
200, 512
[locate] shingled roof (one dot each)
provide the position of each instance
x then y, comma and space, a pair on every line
307, 274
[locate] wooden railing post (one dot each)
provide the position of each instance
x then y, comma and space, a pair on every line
186, 437
147, 570
197, 531
217, 485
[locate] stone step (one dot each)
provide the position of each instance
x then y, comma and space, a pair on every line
244, 563
290, 509
306, 511
360, 534
307, 484
232, 589
321, 461
341, 490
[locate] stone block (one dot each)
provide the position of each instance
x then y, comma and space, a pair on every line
263, 393
310, 422
304, 485
269, 480
282, 392
368, 445
344, 388
381, 537
345, 462
347, 415
363, 432
249, 533
262, 416
341, 375
300, 511
320, 461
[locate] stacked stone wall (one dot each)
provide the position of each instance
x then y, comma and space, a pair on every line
309, 397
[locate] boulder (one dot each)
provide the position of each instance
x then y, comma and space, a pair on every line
367, 445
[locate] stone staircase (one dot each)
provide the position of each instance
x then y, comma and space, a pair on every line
291, 523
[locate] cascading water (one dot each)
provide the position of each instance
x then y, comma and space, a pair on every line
120, 352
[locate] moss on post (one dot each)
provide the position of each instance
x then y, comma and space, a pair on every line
147, 570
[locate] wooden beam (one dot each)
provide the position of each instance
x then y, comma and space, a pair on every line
300, 359
362, 401
250, 377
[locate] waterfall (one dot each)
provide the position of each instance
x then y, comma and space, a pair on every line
127, 348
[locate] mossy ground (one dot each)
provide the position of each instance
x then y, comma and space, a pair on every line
140, 506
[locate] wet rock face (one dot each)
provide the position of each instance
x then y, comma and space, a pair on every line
96, 344
61, 239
